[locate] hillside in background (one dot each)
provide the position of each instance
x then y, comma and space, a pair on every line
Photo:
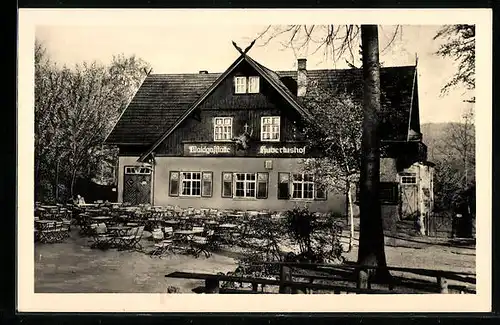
434, 136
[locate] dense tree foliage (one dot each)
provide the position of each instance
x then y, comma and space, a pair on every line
75, 109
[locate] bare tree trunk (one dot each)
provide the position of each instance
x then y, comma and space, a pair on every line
73, 178
351, 216
57, 178
371, 238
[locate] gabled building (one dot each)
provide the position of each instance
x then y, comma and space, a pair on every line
231, 140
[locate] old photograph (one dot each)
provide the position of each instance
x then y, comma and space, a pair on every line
258, 159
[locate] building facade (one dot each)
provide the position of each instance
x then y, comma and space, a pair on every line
232, 140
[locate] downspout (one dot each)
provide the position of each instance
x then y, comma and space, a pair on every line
411, 100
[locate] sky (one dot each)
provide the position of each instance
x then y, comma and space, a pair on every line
193, 47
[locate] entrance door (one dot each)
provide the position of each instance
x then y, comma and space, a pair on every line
409, 196
137, 185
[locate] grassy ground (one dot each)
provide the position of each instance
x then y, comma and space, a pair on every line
73, 267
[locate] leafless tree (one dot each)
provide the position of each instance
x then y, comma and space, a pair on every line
341, 41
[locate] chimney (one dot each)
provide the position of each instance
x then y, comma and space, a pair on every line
301, 77
203, 72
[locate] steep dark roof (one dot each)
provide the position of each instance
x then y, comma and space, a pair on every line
396, 85
164, 98
158, 103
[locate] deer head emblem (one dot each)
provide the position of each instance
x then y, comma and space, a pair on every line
242, 141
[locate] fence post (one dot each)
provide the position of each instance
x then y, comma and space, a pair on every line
363, 279
285, 275
211, 286
255, 286
443, 284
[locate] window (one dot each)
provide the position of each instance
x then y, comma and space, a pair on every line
243, 85
253, 85
302, 186
270, 128
299, 186
240, 85
137, 170
190, 183
388, 193
223, 128
408, 178
245, 185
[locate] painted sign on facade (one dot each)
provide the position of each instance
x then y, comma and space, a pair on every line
289, 150
209, 149
258, 149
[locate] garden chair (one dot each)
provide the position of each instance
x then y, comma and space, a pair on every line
203, 244
165, 245
132, 239
50, 233
102, 241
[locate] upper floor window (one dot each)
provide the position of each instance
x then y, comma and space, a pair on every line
253, 85
270, 128
223, 128
243, 85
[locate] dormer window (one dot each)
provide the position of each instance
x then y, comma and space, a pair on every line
243, 85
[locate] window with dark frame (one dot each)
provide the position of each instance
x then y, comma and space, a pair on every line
388, 194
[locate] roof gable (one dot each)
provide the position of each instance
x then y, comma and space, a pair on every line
270, 76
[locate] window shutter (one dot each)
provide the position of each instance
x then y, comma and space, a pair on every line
227, 184
206, 186
174, 184
283, 186
320, 193
262, 185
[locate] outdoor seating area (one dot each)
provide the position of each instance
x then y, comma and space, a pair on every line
172, 230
